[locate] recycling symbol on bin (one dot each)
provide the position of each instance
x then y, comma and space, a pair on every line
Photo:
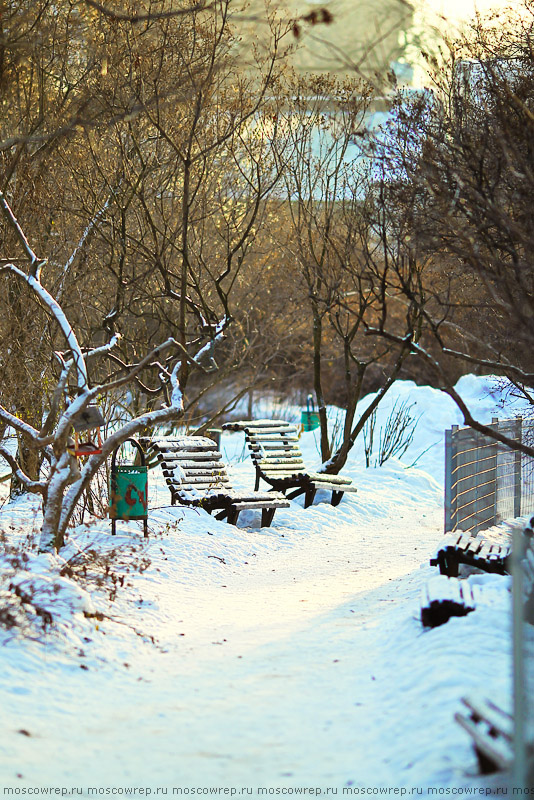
130, 499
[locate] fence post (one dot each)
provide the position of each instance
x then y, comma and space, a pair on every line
448, 478
518, 435
494, 453
519, 737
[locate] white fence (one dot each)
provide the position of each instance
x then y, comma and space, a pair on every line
485, 481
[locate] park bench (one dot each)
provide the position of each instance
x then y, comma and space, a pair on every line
491, 730
275, 452
443, 598
488, 550
196, 476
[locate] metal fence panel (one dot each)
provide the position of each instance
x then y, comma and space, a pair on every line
527, 470
485, 481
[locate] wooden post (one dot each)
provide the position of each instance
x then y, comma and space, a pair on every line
518, 633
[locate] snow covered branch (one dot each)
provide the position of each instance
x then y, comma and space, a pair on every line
36, 487
80, 244
105, 348
21, 426
447, 387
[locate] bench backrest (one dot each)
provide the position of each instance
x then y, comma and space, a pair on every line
274, 446
190, 463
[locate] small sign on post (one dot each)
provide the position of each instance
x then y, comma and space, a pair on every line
310, 418
129, 490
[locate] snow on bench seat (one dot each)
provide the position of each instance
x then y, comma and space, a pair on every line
491, 730
488, 550
443, 598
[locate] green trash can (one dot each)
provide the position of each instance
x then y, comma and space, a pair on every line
310, 418
129, 490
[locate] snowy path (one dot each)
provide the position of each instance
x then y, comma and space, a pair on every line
281, 667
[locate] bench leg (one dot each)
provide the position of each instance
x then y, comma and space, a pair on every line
448, 563
267, 515
232, 516
336, 498
309, 494
308, 497
257, 482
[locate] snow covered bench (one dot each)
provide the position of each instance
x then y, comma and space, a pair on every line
273, 446
443, 598
491, 730
196, 476
488, 550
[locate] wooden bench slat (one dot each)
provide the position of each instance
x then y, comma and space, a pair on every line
176, 447
313, 477
254, 425
201, 484
204, 459
263, 430
497, 751
197, 469
199, 457
274, 446
499, 719
269, 438
325, 477
466, 540
250, 504
202, 487
335, 487
278, 475
268, 466
275, 460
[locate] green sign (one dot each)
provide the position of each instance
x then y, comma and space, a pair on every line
129, 490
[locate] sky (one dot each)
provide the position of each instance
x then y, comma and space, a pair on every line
448, 13
464, 9
434, 19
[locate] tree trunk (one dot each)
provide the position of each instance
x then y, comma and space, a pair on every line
30, 461
317, 382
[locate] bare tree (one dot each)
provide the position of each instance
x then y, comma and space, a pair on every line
459, 167
341, 260
184, 186
147, 208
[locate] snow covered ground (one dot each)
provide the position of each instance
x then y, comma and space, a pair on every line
265, 661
